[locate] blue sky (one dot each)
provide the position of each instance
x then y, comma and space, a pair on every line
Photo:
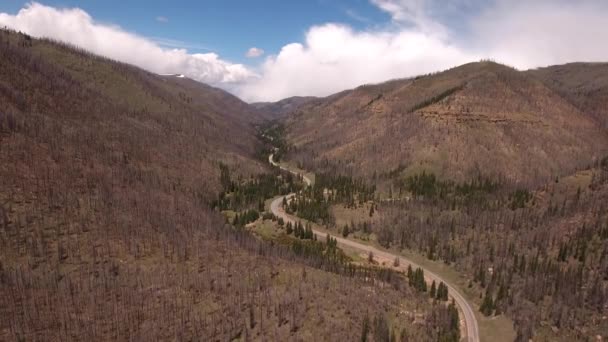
227, 27
318, 47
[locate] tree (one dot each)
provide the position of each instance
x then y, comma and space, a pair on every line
442, 292
433, 290
381, 329
454, 321
364, 328
410, 275
371, 210
416, 279
345, 231
397, 262
487, 306
288, 228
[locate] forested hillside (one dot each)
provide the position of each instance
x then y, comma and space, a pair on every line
540, 257
479, 119
107, 177
499, 174
585, 85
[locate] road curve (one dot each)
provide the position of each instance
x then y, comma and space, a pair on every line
467, 314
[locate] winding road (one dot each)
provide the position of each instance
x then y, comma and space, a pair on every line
469, 327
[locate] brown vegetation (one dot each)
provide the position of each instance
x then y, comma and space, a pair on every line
106, 178
476, 119
585, 85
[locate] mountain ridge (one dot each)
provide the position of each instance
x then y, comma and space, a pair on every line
448, 123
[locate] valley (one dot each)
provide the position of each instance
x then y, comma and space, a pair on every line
469, 204
470, 331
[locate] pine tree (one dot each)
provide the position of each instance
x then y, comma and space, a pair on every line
454, 321
410, 275
442, 292
487, 306
345, 231
433, 290
365, 327
381, 329
288, 228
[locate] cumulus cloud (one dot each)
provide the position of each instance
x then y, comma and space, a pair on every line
422, 36
335, 57
77, 27
254, 52
430, 35
528, 34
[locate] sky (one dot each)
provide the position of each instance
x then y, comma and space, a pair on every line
271, 49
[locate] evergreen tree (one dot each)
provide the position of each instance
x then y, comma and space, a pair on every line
397, 262
487, 306
381, 329
345, 231
410, 275
433, 290
288, 228
365, 326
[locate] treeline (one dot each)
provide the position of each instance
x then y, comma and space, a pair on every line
241, 194
436, 98
344, 188
273, 135
314, 202
311, 204
428, 186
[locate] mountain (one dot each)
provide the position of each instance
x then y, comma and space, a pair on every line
107, 175
477, 119
279, 109
585, 85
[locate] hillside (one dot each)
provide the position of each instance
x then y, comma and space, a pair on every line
538, 257
277, 110
585, 85
107, 173
477, 119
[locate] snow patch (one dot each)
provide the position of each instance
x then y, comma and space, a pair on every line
174, 75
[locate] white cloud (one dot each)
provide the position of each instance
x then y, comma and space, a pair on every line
529, 34
162, 19
356, 16
77, 27
335, 57
254, 52
423, 36
428, 35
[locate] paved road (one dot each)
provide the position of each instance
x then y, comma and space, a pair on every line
469, 325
